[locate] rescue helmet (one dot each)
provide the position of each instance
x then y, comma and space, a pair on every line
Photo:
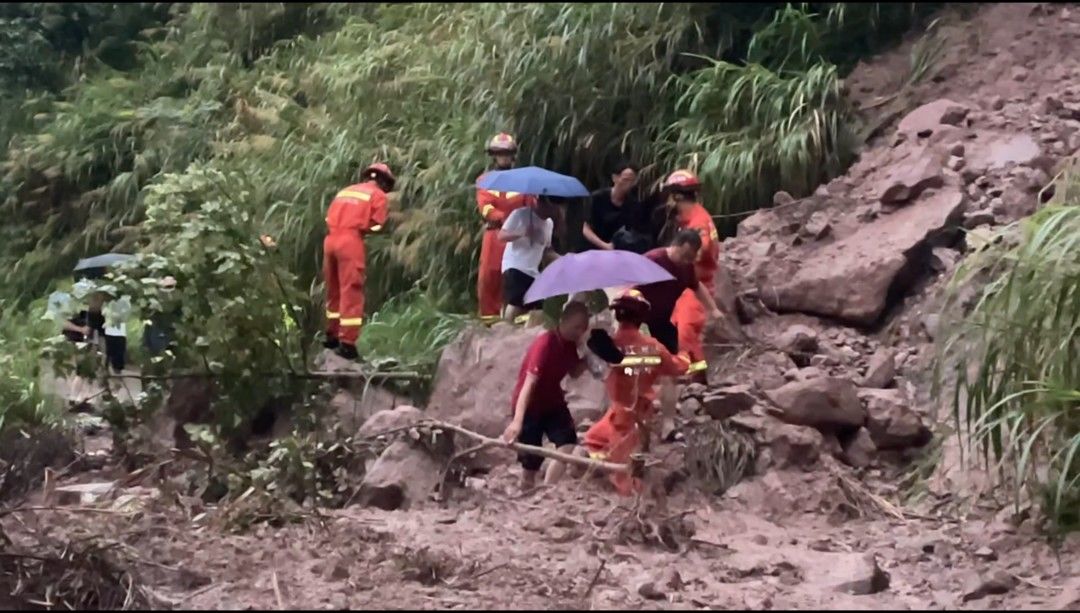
502, 143
379, 170
681, 181
630, 304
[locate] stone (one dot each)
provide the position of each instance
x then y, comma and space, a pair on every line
650, 591
997, 207
851, 278
1003, 149
996, 584
799, 339
1020, 74
791, 445
974, 219
82, 493
688, 407
730, 401
921, 171
931, 323
955, 163
986, 553
867, 577
881, 369
781, 198
892, 423
957, 150
943, 259
387, 420
860, 450
817, 227
997, 103
930, 117
403, 475
824, 402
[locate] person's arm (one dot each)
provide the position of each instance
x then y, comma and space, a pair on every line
707, 299
70, 327
512, 431
379, 211
512, 229
587, 232
485, 203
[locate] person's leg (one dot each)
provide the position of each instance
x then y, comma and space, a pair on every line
689, 318
489, 278
560, 430
664, 331
351, 275
532, 433
515, 283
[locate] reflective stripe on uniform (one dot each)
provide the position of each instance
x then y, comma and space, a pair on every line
348, 193
521, 319
488, 319
376, 228
641, 360
487, 209
333, 315
597, 455
352, 321
698, 366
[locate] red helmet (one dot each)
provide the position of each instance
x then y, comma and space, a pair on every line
682, 180
502, 143
382, 171
632, 302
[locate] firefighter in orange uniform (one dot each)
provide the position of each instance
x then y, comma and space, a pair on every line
494, 208
355, 211
683, 189
631, 387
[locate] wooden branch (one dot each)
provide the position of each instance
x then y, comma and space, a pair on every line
522, 448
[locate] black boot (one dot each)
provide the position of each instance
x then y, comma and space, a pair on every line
330, 342
347, 351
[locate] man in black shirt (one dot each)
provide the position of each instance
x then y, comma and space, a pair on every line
617, 219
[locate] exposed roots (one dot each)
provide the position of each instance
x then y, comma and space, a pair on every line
76, 576
718, 457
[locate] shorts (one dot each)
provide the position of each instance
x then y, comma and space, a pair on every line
665, 332
557, 424
515, 285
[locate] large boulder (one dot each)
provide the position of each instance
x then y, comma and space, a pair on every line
824, 403
932, 117
921, 171
780, 444
854, 278
390, 419
403, 476
729, 401
891, 421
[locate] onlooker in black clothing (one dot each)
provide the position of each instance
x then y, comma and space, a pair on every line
617, 219
89, 325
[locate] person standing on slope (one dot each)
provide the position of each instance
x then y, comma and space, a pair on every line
494, 208
683, 190
631, 387
357, 210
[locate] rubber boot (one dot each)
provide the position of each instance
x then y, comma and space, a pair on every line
330, 342
347, 351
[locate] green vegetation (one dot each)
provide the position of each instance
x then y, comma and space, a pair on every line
1020, 403
183, 132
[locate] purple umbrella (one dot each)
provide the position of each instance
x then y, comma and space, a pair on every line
591, 270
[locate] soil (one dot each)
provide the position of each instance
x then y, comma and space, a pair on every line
786, 537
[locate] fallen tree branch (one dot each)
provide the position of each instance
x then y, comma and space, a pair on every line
522, 448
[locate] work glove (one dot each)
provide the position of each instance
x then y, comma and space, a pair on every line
601, 344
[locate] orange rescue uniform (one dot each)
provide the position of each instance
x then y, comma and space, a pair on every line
689, 315
354, 211
631, 388
494, 208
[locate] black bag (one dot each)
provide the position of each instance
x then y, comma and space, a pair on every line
626, 239
601, 344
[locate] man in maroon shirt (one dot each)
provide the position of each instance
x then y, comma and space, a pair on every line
538, 404
678, 259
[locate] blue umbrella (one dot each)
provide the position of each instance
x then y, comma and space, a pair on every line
95, 267
534, 181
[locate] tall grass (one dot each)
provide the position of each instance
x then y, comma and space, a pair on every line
1017, 358
23, 402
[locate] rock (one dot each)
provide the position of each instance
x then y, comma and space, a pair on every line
928, 118
860, 450
791, 445
820, 361
997, 103
402, 476
688, 407
730, 401
781, 198
986, 553
650, 591
694, 390
851, 278
957, 150
891, 421
799, 339
974, 219
825, 402
82, 493
931, 323
809, 372
997, 207
817, 227
918, 173
387, 420
943, 259
866, 577
866, 214
881, 370
671, 579
1002, 149
955, 163
998, 583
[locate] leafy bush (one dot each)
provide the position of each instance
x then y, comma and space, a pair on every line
1017, 390
23, 402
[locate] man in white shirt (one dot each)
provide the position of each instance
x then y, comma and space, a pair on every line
527, 232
